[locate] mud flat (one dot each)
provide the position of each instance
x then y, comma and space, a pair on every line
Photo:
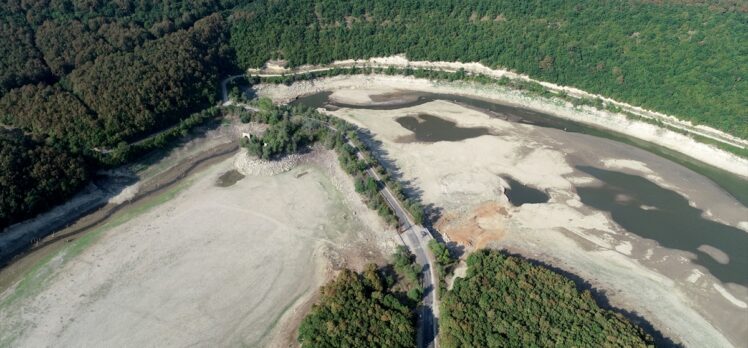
660, 269
199, 264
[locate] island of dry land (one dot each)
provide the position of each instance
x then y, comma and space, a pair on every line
693, 292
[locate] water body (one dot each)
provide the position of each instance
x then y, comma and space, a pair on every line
519, 193
429, 129
730, 183
315, 100
635, 203
650, 211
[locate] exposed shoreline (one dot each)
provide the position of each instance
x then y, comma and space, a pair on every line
660, 136
637, 129
401, 61
115, 190
183, 243
571, 236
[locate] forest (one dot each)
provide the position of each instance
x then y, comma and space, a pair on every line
83, 78
503, 301
506, 301
361, 310
688, 60
34, 176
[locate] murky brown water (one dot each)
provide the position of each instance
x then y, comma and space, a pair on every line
642, 207
519, 193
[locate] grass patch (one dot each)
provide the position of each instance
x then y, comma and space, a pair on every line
39, 275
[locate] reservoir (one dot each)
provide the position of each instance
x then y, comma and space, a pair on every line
635, 203
732, 184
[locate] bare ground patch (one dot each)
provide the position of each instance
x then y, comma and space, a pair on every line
210, 266
456, 177
477, 229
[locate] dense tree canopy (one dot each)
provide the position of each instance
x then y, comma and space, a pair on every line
358, 310
505, 301
68, 44
34, 176
134, 66
89, 76
84, 77
153, 86
687, 60
20, 60
53, 112
41, 37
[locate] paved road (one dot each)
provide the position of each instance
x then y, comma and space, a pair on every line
415, 237
224, 91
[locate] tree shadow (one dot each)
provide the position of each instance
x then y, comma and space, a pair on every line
375, 146
456, 250
427, 322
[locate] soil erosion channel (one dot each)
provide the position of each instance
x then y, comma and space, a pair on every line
662, 239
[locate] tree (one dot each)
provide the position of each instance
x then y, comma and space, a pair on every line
357, 310
612, 48
34, 177
441, 253
507, 301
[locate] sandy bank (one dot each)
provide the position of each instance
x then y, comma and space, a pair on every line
114, 188
401, 61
